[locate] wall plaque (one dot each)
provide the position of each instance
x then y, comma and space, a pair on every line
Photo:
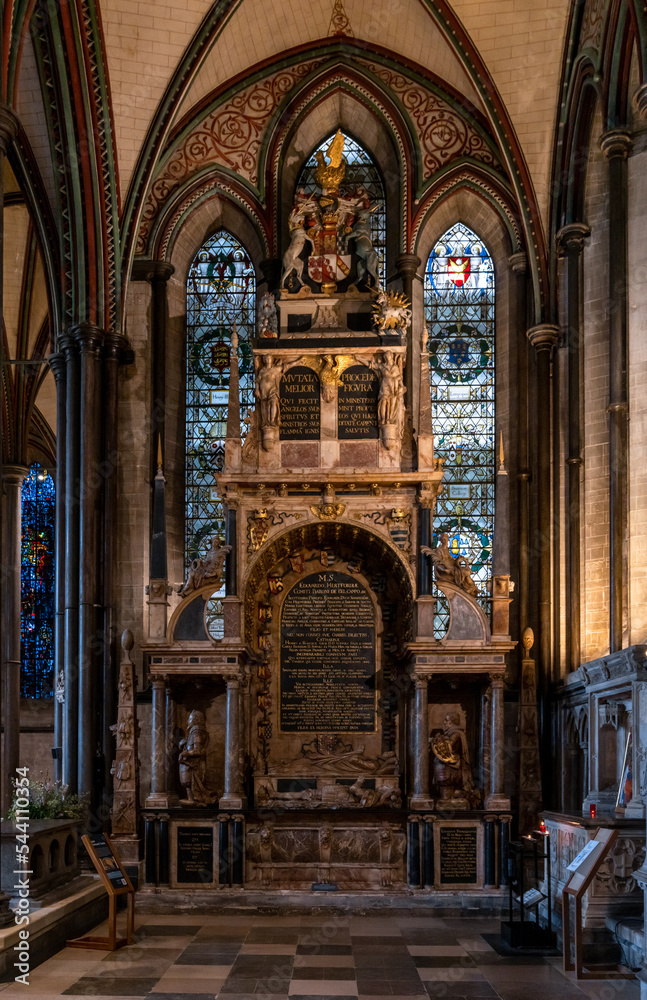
328, 657
357, 404
195, 854
458, 855
300, 405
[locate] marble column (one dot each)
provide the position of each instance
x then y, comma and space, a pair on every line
519, 266
13, 477
70, 549
496, 799
420, 798
543, 339
158, 797
57, 365
232, 797
616, 145
90, 341
571, 239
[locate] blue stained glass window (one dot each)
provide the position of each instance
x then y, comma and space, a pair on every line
221, 291
459, 312
37, 585
361, 172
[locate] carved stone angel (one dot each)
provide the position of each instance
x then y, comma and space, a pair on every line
208, 570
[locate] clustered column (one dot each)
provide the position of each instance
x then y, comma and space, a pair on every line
615, 146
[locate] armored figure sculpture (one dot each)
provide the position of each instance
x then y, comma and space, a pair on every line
452, 772
449, 569
208, 570
193, 762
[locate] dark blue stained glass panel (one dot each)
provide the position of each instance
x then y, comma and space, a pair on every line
37, 585
221, 292
459, 312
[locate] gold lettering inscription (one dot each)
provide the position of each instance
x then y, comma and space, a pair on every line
328, 656
299, 405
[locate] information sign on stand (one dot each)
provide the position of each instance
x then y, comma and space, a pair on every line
583, 870
116, 882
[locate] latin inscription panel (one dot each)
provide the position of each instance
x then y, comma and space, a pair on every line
357, 404
458, 855
195, 854
300, 406
328, 657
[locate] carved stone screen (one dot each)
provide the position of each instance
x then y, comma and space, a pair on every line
328, 657
300, 406
357, 404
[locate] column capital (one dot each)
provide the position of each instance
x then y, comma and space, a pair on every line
233, 680
421, 681
146, 269
639, 101
616, 143
158, 680
89, 337
408, 264
518, 262
9, 125
572, 236
544, 336
14, 475
58, 366
496, 680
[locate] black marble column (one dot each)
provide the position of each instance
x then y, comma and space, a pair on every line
238, 850
615, 146
571, 239
70, 554
420, 724
543, 339
414, 852
427, 852
91, 482
224, 873
13, 477
58, 367
489, 834
503, 849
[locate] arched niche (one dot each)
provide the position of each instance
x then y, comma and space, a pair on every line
341, 108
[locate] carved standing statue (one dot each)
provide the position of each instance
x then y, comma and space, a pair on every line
193, 762
269, 373
267, 318
208, 570
390, 401
449, 569
452, 771
368, 262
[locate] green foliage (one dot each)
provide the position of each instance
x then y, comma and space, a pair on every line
49, 800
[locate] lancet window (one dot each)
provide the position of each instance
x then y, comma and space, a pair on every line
221, 294
361, 172
37, 585
459, 312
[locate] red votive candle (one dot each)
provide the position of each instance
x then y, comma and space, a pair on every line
592, 810
542, 826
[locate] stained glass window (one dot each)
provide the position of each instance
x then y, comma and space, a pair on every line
361, 172
37, 585
221, 291
459, 312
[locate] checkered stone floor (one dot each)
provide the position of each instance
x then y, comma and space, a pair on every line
310, 958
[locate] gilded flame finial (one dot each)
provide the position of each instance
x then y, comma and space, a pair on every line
330, 175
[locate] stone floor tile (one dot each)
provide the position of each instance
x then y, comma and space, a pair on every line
476, 943
453, 974
198, 987
323, 988
338, 961
167, 930
438, 950
268, 950
444, 961
324, 949
105, 986
519, 975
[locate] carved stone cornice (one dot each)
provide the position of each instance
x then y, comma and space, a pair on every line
572, 236
639, 101
616, 143
145, 269
518, 262
544, 336
9, 125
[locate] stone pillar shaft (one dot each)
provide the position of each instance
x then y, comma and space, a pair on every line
157, 797
496, 799
70, 556
572, 239
90, 339
420, 798
57, 365
13, 477
232, 797
616, 145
